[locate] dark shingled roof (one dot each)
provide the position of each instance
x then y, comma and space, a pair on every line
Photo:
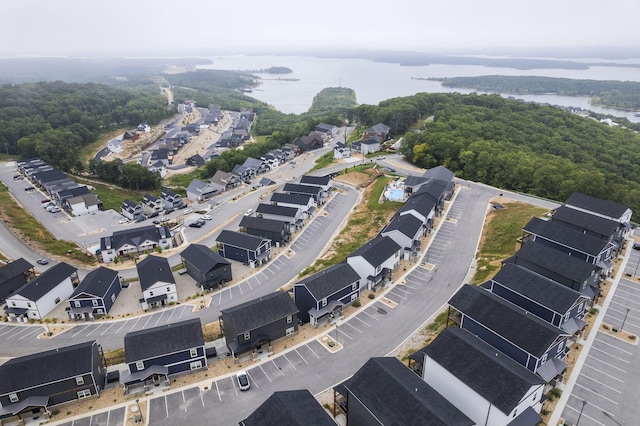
490, 373
251, 222
299, 199
538, 288
315, 180
433, 188
439, 173
240, 239
42, 284
135, 236
203, 257
330, 280
13, 269
152, 270
165, 339
590, 222
407, 224
258, 312
96, 283
596, 205
564, 235
395, 395
36, 369
289, 408
377, 250
422, 205
301, 189
277, 210
513, 323
414, 180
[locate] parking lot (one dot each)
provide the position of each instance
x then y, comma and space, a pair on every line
115, 417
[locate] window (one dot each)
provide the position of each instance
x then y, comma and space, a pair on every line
168, 289
84, 393
13, 303
515, 412
196, 365
193, 352
354, 286
113, 297
13, 397
324, 302
566, 317
290, 330
560, 346
100, 311
543, 359
139, 365
581, 307
28, 304
289, 319
79, 380
354, 297
150, 293
247, 335
94, 302
76, 303
57, 300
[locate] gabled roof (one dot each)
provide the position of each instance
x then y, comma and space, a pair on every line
370, 141
596, 224
505, 319
490, 373
315, 180
154, 269
165, 339
330, 280
407, 224
378, 250
555, 261
277, 210
596, 205
422, 205
302, 189
36, 369
414, 180
433, 188
378, 129
252, 163
538, 288
149, 198
203, 258
135, 236
45, 282
299, 199
13, 269
395, 395
240, 239
566, 236
96, 283
259, 312
439, 173
251, 222
289, 408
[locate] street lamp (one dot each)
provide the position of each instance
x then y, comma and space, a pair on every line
580, 415
139, 417
625, 318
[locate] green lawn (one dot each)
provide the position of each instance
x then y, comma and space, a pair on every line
112, 196
323, 161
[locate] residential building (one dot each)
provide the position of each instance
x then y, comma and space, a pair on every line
135, 241
199, 191
151, 205
172, 200
244, 248
14, 275
205, 266
279, 232
294, 216
157, 282
599, 207
95, 295
375, 261
290, 408
380, 131
406, 230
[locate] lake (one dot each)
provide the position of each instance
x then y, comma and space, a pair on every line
374, 82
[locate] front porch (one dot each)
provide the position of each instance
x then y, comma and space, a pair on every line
151, 379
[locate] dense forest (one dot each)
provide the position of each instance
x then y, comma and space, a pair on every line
518, 146
127, 175
616, 94
54, 120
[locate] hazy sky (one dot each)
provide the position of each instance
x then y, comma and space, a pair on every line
160, 27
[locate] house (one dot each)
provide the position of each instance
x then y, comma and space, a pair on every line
157, 282
256, 165
154, 354
316, 192
131, 210
340, 151
375, 261
599, 207
323, 182
558, 305
441, 173
271, 161
525, 338
385, 392
199, 191
244, 173
81, 205
290, 408
35, 299
294, 216
254, 325
329, 130
590, 224
195, 160
115, 145
380, 131
244, 248
560, 267
406, 230
366, 146
158, 167
421, 207
570, 241
205, 266
133, 242
322, 296
29, 385
151, 205
303, 202
309, 143
279, 232
172, 201
436, 190
485, 384
95, 295
162, 155
224, 181
14, 275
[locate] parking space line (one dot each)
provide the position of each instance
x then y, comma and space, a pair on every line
265, 373
166, 405
35, 330
402, 290
367, 313
278, 368
253, 380
346, 335
159, 317
312, 351
604, 362
135, 323
585, 415
112, 324
613, 346
9, 330
305, 361
218, 390
249, 284
108, 415
629, 317
596, 393
123, 324
240, 288
233, 383
94, 330
80, 331
171, 314
147, 322
202, 398
365, 323
355, 328
612, 356
285, 357
598, 381
396, 295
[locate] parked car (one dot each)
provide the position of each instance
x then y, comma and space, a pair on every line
55, 209
205, 217
29, 188
46, 200
123, 220
197, 224
248, 212
140, 218
243, 380
49, 204
156, 222
164, 219
42, 261
18, 177
188, 211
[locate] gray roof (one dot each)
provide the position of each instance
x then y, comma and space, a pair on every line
96, 283
330, 280
13, 269
252, 163
165, 339
378, 128
439, 173
289, 408
538, 288
135, 236
407, 224
596, 224
251, 222
284, 211
596, 205
45, 282
203, 258
414, 180
395, 395
490, 373
259, 312
422, 205
240, 239
432, 188
377, 250
566, 236
299, 199
36, 369
152, 270
301, 189
505, 319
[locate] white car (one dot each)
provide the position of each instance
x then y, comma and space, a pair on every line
188, 211
248, 212
205, 217
243, 380
123, 220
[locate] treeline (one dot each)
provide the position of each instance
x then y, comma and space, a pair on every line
521, 146
54, 120
616, 94
127, 175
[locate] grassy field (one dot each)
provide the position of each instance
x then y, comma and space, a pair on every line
499, 237
323, 161
112, 196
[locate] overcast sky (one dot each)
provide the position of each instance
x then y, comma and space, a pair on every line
161, 27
